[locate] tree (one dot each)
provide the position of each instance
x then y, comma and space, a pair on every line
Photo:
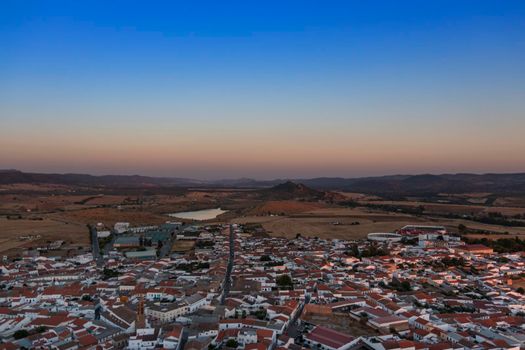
520, 290
21, 334
405, 285
260, 314
284, 282
108, 273
41, 329
232, 343
354, 251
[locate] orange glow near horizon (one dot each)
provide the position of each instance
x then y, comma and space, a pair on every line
270, 154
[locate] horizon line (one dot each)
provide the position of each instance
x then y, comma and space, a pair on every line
6, 170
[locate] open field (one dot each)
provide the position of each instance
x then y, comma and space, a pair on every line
64, 211
48, 229
331, 223
359, 196
322, 223
53, 216
285, 207
109, 216
452, 208
11, 203
510, 201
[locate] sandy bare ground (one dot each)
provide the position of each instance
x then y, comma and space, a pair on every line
182, 246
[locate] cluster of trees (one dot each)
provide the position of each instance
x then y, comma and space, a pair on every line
109, 273
500, 245
493, 218
403, 286
269, 262
453, 261
274, 263
496, 218
419, 210
193, 266
260, 314
454, 309
372, 250
23, 333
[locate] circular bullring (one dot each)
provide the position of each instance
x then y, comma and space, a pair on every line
384, 237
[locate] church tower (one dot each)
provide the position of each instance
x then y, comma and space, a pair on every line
140, 321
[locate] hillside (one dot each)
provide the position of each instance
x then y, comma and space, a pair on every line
426, 184
508, 184
290, 190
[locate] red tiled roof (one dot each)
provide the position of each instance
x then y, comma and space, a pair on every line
87, 340
329, 337
255, 346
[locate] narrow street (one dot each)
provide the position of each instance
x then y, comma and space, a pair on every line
165, 251
292, 330
95, 249
227, 278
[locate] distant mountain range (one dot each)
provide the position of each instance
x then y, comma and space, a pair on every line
16, 176
396, 184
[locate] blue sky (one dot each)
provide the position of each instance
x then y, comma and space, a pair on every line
262, 89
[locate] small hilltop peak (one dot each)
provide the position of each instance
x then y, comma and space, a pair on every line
293, 190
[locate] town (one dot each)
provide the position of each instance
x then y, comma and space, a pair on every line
262, 175
227, 286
